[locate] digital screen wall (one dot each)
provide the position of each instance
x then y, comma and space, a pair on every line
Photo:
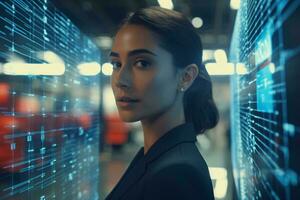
266, 100
49, 99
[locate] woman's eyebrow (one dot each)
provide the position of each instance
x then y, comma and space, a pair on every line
133, 52
113, 54
139, 51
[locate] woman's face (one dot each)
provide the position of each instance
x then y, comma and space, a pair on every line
143, 71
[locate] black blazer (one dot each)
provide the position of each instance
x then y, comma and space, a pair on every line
172, 169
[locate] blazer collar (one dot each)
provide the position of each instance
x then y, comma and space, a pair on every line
134, 172
179, 134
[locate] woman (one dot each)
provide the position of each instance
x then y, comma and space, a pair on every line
158, 79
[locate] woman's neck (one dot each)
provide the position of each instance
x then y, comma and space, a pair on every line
155, 128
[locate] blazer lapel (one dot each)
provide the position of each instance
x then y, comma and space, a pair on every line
179, 134
131, 178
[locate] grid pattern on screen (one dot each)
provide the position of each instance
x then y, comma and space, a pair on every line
265, 91
49, 128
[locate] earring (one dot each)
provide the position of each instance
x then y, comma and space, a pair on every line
181, 89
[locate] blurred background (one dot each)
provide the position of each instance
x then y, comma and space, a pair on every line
60, 133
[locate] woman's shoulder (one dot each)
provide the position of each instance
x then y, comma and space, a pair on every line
179, 170
183, 161
184, 155
178, 173
179, 181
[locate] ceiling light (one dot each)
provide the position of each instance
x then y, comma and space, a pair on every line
197, 22
89, 69
104, 42
168, 4
220, 56
107, 69
235, 4
219, 69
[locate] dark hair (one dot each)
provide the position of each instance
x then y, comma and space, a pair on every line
178, 36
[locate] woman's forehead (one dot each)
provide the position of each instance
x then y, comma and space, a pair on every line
131, 38
135, 37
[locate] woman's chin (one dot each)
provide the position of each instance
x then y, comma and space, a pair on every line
128, 118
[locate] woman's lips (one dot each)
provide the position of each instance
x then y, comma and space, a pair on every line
126, 101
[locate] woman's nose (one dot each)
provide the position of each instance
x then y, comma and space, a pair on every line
121, 84
124, 78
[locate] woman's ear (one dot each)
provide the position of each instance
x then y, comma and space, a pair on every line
188, 75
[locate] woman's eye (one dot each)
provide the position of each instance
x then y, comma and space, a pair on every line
115, 64
142, 63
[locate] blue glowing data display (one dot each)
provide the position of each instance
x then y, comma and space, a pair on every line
49, 99
266, 100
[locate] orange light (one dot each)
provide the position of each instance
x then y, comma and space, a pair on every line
27, 105
4, 94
